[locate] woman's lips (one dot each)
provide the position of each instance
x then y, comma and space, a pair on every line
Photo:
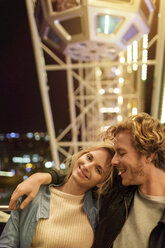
82, 173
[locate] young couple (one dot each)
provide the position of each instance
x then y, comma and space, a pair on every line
132, 212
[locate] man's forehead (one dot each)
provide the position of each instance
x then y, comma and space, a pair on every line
121, 137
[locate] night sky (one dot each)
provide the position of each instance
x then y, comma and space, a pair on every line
20, 102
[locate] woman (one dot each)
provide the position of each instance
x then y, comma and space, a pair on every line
64, 215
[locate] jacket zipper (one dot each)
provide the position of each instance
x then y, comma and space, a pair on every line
126, 208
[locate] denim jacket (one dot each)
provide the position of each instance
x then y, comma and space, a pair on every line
21, 225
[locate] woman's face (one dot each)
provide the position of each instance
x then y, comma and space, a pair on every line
92, 168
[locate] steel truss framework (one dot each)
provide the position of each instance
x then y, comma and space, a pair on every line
94, 87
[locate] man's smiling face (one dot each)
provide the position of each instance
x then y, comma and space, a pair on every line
130, 164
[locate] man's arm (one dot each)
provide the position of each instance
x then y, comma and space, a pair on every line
30, 187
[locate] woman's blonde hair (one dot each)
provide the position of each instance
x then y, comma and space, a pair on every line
105, 186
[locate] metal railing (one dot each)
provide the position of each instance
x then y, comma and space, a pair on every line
4, 208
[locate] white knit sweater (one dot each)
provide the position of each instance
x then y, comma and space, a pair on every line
67, 227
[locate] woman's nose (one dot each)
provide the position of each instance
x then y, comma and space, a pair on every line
88, 165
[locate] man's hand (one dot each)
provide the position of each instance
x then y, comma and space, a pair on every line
30, 188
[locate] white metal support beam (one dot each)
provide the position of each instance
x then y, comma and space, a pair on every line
39, 58
96, 96
160, 45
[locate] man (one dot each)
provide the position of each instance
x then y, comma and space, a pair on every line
134, 216
129, 214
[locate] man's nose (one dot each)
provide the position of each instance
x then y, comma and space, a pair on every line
114, 161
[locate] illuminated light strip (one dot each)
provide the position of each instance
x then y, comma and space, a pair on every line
122, 59
102, 91
129, 58
116, 91
129, 54
145, 41
21, 160
134, 111
144, 72
162, 118
117, 72
120, 100
103, 129
135, 51
109, 110
135, 67
119, 118
106, 27
121, 80
135, 55
6, 174
144, 57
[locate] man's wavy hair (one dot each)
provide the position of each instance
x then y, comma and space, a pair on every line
147, 135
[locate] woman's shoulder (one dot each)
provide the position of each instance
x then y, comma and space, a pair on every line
42, 194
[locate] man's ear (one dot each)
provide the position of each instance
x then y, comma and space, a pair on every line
150, 157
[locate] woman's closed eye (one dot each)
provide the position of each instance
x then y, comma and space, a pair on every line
99, 170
